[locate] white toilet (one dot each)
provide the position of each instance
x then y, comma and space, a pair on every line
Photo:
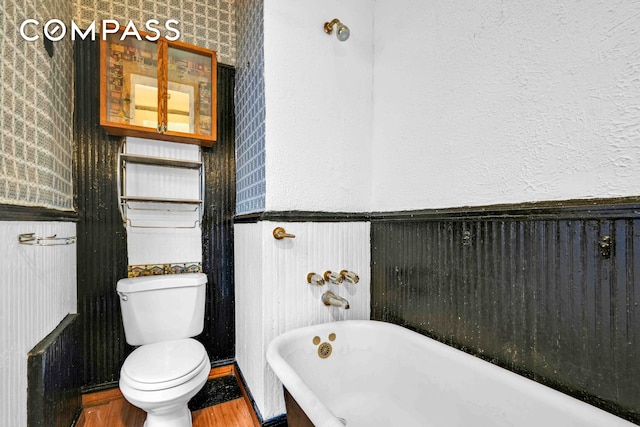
160, 314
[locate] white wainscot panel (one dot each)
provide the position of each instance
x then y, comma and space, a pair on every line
278, 279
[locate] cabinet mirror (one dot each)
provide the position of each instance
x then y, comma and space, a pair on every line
144, 104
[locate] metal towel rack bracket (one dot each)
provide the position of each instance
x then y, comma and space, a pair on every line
32, 239
158, 204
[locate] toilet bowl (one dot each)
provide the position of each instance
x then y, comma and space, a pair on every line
160, 378
160, 315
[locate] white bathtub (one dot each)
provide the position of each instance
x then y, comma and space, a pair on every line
379, 374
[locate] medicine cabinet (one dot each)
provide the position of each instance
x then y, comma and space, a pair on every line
160, 89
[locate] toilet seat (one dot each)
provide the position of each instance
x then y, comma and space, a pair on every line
164, 364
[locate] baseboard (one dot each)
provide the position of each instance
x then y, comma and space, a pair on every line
255, 412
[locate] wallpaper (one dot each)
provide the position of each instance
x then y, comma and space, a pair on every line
36, 121
250, 113
36, 90
205, 23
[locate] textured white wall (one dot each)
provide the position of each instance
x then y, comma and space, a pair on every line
427, 105
318, 102
37, 290
272, 294
479, 103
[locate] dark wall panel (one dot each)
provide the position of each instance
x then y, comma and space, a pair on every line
102, 250
217, 235
537, 295
53, 379
101, 245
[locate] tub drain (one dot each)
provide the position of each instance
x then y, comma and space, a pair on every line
324, 350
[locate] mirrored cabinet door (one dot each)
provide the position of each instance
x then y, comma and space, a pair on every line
131, 74
158, 90
190, 91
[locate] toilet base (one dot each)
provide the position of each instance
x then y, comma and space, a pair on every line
169, 417
165, 407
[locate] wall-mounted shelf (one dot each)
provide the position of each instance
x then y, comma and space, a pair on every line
159, 200
178, 212
160, 161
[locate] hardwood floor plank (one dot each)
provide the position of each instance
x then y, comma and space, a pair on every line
117, 413
110, 409
254, 417
81, 420
100, 397
221, 371
233, 413
129, 415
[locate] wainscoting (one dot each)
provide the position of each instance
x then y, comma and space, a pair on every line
273, 295
37, 291
549, 290
53, 377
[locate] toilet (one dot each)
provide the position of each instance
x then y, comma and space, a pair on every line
160, 315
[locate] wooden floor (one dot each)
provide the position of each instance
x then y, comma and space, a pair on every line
110, 409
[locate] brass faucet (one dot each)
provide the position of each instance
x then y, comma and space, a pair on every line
349, 276
329, 298
331, 277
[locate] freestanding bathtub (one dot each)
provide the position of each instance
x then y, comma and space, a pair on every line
369, 373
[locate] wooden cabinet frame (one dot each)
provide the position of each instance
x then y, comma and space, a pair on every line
161, 132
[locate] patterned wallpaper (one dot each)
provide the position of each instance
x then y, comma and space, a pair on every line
250, 113
206, 23
36, 120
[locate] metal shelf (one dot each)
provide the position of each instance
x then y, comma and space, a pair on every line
159, 161
157, 204
125, 199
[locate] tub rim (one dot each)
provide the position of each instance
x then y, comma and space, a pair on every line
311, 404
322, 416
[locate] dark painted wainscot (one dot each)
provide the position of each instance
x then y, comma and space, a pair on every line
53, 383
102, 250
549, 290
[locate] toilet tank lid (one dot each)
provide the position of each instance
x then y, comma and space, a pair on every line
164, 281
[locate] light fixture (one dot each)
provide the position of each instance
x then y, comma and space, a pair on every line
342, 31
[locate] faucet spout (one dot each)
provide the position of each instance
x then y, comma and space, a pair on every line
329, 298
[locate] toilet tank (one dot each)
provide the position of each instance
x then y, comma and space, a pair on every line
162, 308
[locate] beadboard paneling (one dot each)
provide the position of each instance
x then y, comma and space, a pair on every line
102, 249
37, 290
175, 235
536, 296
249, 335
273, 296
217, 226
53, 387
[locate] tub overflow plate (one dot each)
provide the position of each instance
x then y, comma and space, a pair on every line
324, 348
